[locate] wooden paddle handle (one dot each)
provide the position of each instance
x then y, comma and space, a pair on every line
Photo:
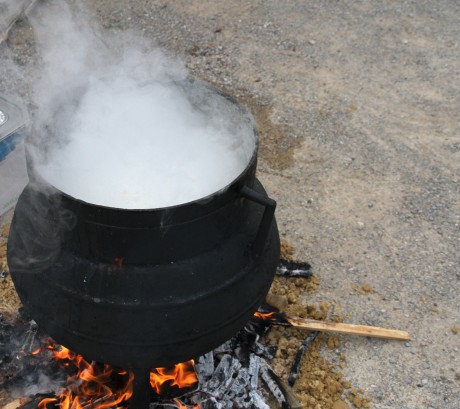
351, 329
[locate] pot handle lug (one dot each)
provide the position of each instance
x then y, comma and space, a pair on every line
267, 217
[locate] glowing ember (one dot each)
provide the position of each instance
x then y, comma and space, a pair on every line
119, 261
180, 405
37, 351
270, 316
181, 375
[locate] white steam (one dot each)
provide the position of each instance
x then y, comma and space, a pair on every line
120, 125
43, 384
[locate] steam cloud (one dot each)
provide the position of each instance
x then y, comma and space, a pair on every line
119, 124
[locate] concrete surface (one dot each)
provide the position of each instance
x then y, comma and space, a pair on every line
358, 103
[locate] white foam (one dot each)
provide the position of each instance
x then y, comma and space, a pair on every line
147, 146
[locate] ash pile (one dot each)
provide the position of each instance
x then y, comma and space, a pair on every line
237, 375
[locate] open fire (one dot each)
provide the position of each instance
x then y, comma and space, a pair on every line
100, 386
236, 374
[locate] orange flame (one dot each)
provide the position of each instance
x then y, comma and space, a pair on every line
270, 316
180, 405
181, 375
37, 351
91, 386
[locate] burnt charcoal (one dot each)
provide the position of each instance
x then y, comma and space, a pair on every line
241, 353
270, 380
257, 400
279, 390
242, 402
239, 383
205, 366
247, 337
225, 348
30, 342
168, 405
258, 326
265, 351
298, 359
219, 384
253, 370
221, 375
17, 341
211, 403
33, 404
289, 268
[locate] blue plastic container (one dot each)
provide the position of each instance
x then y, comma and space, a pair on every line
13, 169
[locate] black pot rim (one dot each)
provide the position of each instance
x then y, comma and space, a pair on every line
234, 185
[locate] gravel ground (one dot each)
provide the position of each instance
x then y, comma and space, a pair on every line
358, 107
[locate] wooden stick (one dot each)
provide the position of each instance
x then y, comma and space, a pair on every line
351, 329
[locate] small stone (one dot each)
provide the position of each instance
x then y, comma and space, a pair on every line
340, 404
423, 383
366, 288
277, 300
346, 384
311, 42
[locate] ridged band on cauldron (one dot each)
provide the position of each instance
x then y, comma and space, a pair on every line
184, 340
167, 235
61, 295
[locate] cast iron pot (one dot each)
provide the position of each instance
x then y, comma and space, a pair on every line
144, 288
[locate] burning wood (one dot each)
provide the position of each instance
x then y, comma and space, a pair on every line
227, 377
180, 375
277, 318
285, 398
94, 385
235, 375
350, 329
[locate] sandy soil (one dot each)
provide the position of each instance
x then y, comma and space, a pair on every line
358, 106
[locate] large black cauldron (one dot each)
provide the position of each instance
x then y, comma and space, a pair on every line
144, 288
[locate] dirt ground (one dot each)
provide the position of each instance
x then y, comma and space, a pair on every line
358, 109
